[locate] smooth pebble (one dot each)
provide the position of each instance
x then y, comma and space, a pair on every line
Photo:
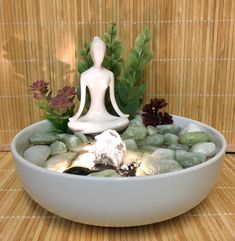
151, 130
176, 147
37, 154
105, 173
154, 140
192, 138
207, 148
60, 162
130, 144
191, 127
86, 159
137, 132
58, 147
43, 138
189, 159
172, 128
170, 138
153, 167
163, 153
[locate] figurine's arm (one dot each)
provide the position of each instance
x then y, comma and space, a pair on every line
112, 98
82, 101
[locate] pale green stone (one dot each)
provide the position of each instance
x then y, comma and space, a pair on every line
43, 138
170, 138
60, 162
172, 128
192, 138
105, 173
137, 132
191, 127
72, 142
135, 157
37, 154
135, 122
130, 144
154, 140
153, 167
189, 159
82, 137
151, 130
163, 154
207, 148
176, 147
58, 147
149, 148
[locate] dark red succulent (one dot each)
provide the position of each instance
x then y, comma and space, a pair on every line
152, 116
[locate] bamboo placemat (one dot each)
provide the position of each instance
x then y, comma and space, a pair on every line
22, 219
193, 42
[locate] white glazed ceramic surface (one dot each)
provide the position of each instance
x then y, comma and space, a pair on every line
115, 201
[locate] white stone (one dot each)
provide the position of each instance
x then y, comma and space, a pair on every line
191, 127
149, 166
109, 148
133, 157
153, 167
86, 159
37, 154
207, 148
60, 162
139, 172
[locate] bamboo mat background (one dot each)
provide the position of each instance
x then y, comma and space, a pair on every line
193, 42
22, 219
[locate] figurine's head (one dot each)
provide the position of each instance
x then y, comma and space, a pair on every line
97, 50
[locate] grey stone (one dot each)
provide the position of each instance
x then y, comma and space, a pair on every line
37, 154
189, 159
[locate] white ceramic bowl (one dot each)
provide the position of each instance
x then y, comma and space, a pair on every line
114, 201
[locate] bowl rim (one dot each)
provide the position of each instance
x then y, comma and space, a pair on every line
21, 160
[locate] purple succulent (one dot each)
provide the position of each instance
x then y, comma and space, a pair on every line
39, 89
68, 91
39, 85
60, 104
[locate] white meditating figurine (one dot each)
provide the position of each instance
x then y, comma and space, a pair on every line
97, 79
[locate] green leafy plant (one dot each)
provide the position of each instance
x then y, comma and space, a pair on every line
129, 86
56, 109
